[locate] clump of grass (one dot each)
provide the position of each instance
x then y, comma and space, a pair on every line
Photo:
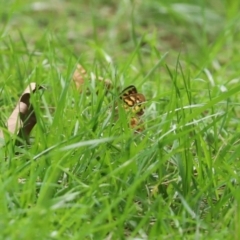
86, 174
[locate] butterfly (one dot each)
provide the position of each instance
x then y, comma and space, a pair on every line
133, 101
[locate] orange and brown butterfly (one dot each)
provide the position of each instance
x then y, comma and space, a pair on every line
133, 101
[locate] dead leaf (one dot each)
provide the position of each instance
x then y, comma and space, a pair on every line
23, 118
80, 75
107, 82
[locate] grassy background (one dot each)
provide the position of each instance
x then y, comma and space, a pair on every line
85, 178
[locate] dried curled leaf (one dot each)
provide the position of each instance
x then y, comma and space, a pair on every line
23, 118
80, 75
107, 82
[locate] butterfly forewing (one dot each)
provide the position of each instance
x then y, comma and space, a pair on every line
129, 90
133, 100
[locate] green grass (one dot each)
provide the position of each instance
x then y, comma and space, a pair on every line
85, 176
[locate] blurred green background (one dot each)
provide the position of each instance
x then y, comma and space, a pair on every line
205, 34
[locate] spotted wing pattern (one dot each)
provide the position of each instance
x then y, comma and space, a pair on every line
133, 101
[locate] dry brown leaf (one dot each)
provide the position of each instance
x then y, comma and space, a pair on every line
80, 75
23, 118
107, 82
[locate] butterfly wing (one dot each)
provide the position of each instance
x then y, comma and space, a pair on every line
133, 102
133, 99
126, 92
